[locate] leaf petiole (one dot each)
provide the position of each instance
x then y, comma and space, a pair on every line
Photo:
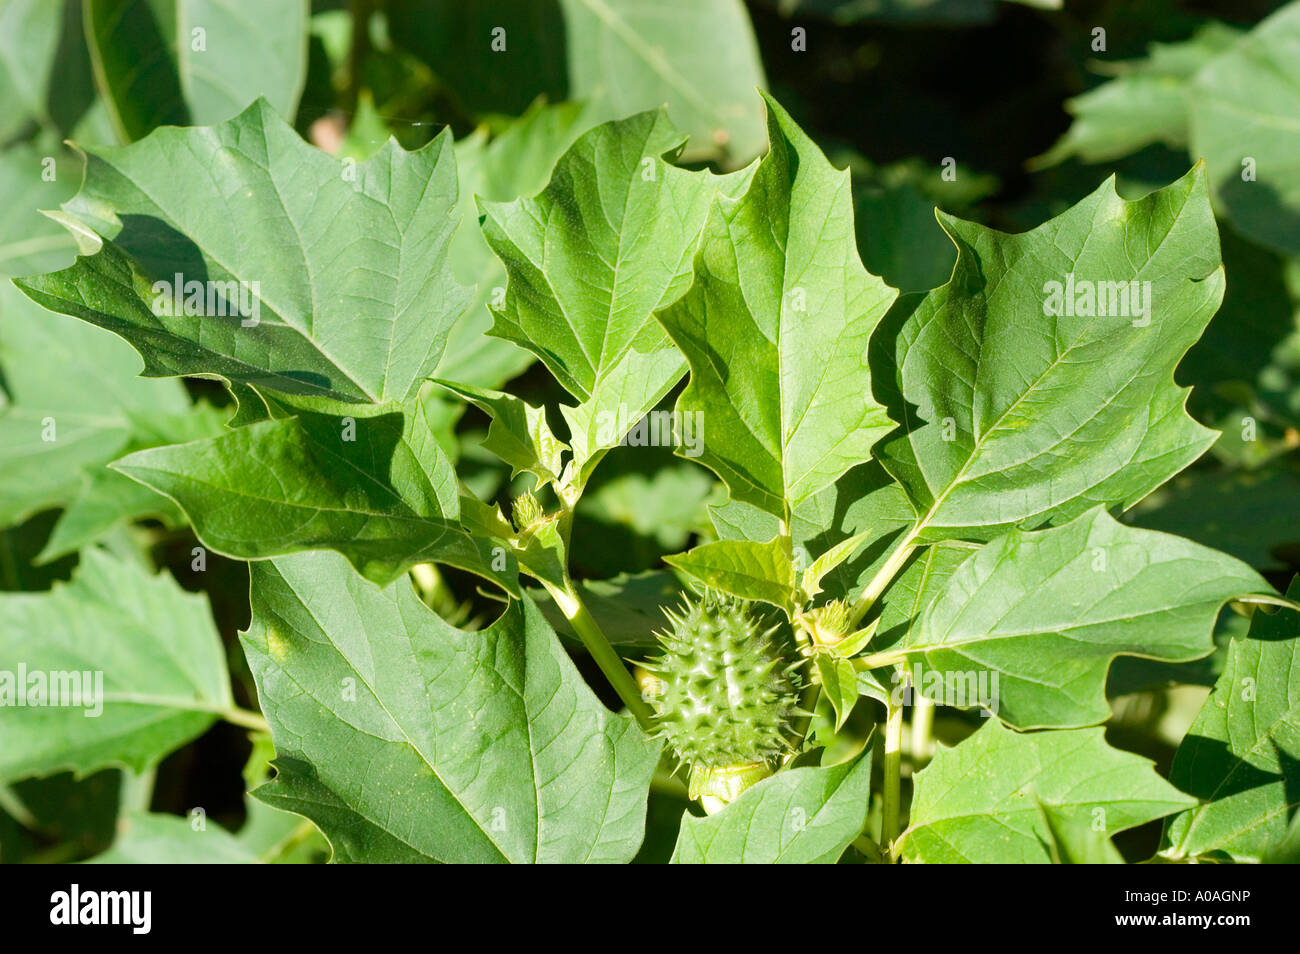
884, 576
878, 660
246, 718
869, 849
922, 728
893, 773
598, 646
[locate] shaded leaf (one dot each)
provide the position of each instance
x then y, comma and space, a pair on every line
1249, 514
154, 646
238, 62
173, 62
839, 681
1241, 757
135, 74
1071, 843
810, 580
29, 37
483, 76
698, 56
900, 239
910, 594
31, 242
519, 434
342, 287
74, 404
864, 501
1146, 102
148, 838
452, 746
983, 801
370, 482
517, 162
628, 520
109, 499
1286, 851
908, 598
1244, 104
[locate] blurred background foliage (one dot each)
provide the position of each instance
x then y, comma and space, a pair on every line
999, 111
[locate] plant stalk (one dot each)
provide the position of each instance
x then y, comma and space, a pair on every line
135, 792
883, 577
893, 777
580, 618
13, 805
246, 718
358, 50
869, 849
922, 727
877, 660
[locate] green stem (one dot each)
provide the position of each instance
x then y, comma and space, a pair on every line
135, 792
246, 718
580, 618
575, 611
358, 51
878, 660
11, 803
232, 714
884, 576
922, 727
869, 849
893, 776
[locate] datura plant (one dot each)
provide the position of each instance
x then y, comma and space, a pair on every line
911, 594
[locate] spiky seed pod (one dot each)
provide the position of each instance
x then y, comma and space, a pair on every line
725, 696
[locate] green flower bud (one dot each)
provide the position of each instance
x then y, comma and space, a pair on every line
526, 512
